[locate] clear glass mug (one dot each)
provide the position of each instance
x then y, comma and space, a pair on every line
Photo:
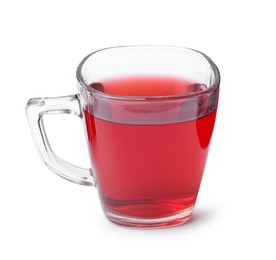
149, 114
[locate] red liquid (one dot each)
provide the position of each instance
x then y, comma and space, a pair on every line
144, 170
148, 86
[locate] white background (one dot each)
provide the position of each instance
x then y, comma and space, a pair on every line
45, 217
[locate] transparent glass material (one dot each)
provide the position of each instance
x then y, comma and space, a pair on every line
38, 107
149, 113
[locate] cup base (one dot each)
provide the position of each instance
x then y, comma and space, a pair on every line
174, 220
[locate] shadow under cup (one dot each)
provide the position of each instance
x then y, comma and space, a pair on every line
149, 113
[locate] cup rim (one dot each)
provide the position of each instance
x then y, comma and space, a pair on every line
211, 88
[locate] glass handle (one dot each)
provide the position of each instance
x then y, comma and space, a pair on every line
38, 107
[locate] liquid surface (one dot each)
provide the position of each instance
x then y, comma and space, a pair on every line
148, 86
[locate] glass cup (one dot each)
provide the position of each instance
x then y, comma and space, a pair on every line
149, 114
